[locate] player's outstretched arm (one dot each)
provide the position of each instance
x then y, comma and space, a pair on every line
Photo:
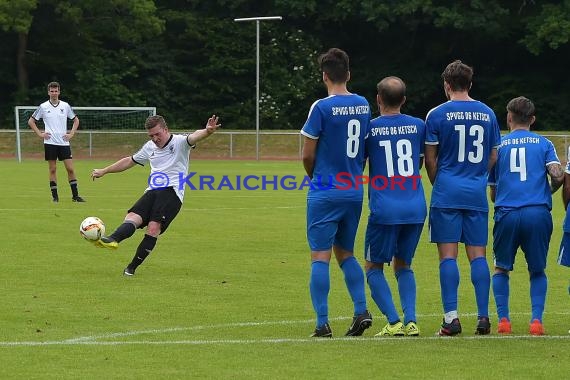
211, 126
119, 166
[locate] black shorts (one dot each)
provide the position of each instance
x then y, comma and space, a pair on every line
158, 205
57, 152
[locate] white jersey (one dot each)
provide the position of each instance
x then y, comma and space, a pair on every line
168, 165
55, 120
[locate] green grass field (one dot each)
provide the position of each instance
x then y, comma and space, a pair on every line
224, 295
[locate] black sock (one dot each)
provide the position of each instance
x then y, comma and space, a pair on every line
145, 247
124, 231
73, 185
53, 187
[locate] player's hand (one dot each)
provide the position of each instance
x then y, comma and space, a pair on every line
212, 124
97, 173
45, 135
67, 136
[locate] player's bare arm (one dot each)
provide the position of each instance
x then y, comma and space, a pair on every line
309, 153
119, 166
492, 159
556, 174
430, 156
74, 127
211, 126
566, 190
32, 124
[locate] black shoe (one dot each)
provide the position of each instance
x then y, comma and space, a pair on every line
483, 326
77, 199
359, 324
450, 329
55, 199
129, 271
322, 332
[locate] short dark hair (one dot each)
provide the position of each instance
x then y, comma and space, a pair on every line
53, 85
458, 76
153, 121
392, 91
335, 64
521, 109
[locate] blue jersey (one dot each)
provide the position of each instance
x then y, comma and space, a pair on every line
340, 123
520, 174
394, 145
466, 132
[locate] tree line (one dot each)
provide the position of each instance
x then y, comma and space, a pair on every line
190, 59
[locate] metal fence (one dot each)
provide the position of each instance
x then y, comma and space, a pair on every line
221, 145
110, 144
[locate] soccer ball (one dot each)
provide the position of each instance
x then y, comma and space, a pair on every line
92, 228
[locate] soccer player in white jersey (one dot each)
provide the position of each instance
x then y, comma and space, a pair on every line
521, 191
394, 146
564, 253
334, 148
169, 158
55, 113
462, 136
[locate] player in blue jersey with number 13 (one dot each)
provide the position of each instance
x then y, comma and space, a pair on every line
334, 147
461, 140
522, 195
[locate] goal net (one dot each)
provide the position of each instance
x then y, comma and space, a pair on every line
103, 131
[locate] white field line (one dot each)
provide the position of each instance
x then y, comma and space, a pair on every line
95, 339
188, 209
358, 340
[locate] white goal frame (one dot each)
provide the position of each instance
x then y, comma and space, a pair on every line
33, 108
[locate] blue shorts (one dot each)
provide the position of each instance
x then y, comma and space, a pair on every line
385, 241
529, 228
564, 254
450, 225
332, 222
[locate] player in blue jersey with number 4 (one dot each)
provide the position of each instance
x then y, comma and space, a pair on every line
522, 195
461, 140
564, 253
333, 148
394, 145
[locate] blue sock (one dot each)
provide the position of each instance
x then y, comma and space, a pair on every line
501, 292
320, 286
538, 286
407, 289
449, 282
481, 280
381, 294
354, 279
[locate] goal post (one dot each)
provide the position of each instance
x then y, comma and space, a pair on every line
94, 123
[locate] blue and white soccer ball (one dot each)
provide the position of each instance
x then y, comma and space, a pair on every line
92, 228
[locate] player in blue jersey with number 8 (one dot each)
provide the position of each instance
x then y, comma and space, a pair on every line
462, 135
333, 146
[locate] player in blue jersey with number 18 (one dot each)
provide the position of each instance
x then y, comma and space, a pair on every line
522, 195
461, 140
394, 145
333, 156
